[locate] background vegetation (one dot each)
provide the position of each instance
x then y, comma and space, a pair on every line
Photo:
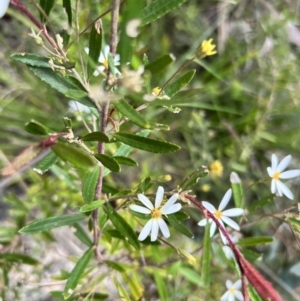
241, 106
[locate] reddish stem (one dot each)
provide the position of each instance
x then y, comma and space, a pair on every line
263, 287
42, 28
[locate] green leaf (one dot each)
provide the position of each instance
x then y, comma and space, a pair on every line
205, 262
18, 258
95, 136
74, 155
159, 64
46, 5
52, 222
31, 59
121, 225
181, 215
161, 287
95, 44
237, 190
92, 206
76, 94
36, 128
46, 163
115, 265
193, 178
82, 235
122, 291
175, 87
59, 83
261, 202
157, 9
179, 226
58, 295
190, 275
108, 162
127, 110
146, 144
68, 8
77, 273
253, 294
89, 184
125, 161
253, 241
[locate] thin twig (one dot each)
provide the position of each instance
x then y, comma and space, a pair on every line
103, 122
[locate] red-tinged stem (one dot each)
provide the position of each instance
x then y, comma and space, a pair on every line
43, 30
263, 287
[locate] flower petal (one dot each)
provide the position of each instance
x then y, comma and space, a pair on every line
238, 284
209, 207
140, 209
106, 51
225, 296
146, 230
231, 297
203, 222
228, 252
230, 223
284, 190
290, 174
229, 284
163, 227
274, 163
3, 7
170, 201
117, 59
284, 163
213, 228
171, 209
233, 212
270, 172
155, 228
223, 238
225, 200
239, 295
273, 186
145, 201
159, 196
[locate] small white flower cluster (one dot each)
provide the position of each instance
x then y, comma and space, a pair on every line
157, 211
276, 172
222, 216
3, 7
233, 291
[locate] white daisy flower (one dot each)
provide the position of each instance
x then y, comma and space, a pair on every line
227, 250
3, 7
222, 216
275, 172
233, 291
156, 222
103, 60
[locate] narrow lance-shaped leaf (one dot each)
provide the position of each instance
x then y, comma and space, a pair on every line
146, 144
32, 59
82, 235
96, 136
161, 287
121, 225
159, 64
46, 163
108, 162
237, 190
59, 83
157, 9
18, 258
36, 128
205, 263
253, 241
175, 87
193, 178
52, 222
92, 206
95, 44
125, 161
77, 273
134, 116
90, 184
68, 8
46, 5
179, 226
74, 155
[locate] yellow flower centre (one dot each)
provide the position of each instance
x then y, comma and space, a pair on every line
276, 175
156, 213
105, 63
216, 168
218, 214
232, 290
156, 91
